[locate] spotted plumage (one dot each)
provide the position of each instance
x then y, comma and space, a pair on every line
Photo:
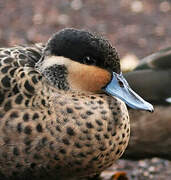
53, 125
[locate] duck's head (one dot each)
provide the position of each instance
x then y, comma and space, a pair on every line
78, 60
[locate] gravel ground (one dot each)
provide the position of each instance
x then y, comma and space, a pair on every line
134, 27
148, 169
138, 27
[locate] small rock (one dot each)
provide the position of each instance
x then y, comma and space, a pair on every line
63, 19
129, 62
164, 6
142, 164
146, 173
155, 160
76, 4
152, 169
137, 6
38, 19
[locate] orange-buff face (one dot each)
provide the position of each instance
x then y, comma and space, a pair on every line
87, 78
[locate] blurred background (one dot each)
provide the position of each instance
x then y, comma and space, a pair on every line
136, 28
133, 26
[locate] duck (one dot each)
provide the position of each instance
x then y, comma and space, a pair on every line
157, 67
151, 79
62, 107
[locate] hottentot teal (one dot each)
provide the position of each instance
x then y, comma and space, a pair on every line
62, 110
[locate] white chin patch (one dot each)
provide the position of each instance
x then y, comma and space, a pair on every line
168, 100
52, 60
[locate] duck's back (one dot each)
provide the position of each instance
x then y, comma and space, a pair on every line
18, 84
14, 60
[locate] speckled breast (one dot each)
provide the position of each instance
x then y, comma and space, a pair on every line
80, 135
92, 132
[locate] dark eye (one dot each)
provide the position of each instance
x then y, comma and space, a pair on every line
89, 60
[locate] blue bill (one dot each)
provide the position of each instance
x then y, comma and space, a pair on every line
120, 88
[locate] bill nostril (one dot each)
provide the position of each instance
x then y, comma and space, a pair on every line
121, 84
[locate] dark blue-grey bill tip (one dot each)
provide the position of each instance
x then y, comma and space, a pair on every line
120, 88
